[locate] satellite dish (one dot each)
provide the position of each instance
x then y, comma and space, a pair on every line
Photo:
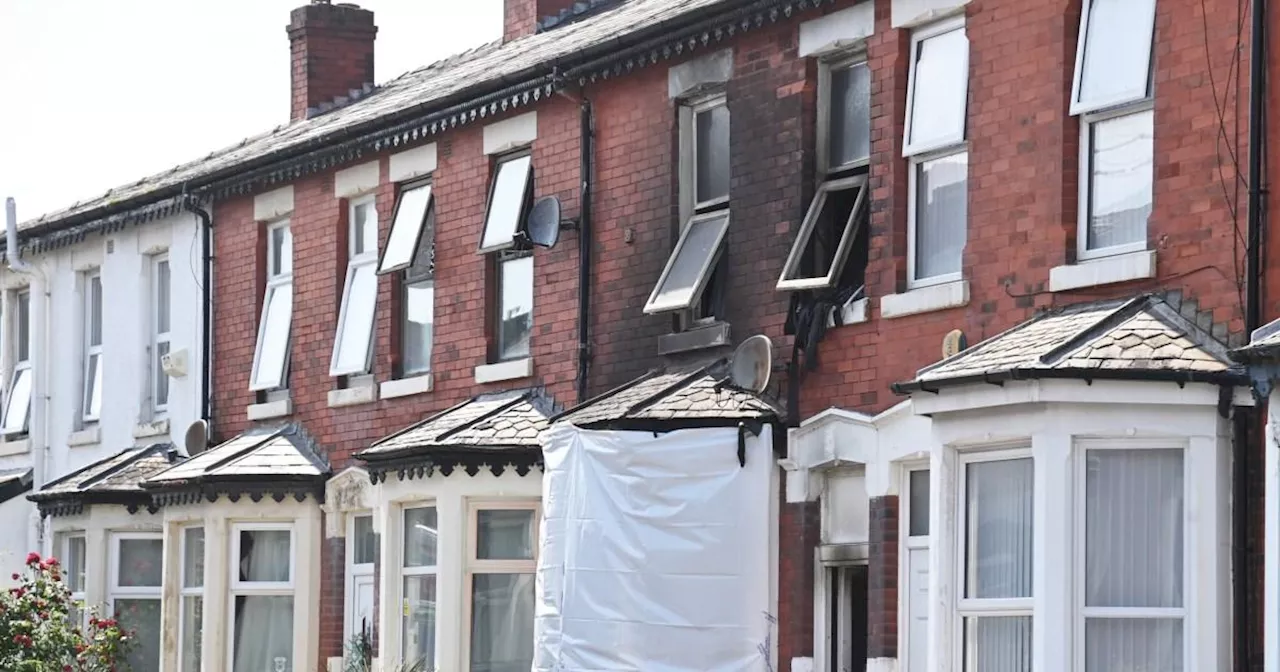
196, 438
953, 343
752, 362
543, 226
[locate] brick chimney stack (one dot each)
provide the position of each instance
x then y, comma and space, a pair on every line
331, 48
520, 17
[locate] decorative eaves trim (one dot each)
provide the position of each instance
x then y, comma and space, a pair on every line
424, 466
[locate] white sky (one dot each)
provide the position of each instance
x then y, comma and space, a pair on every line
98, 93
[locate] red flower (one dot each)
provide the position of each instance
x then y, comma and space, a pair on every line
16, 576
52, 562
33, 559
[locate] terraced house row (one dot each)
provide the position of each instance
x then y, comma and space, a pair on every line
803, 335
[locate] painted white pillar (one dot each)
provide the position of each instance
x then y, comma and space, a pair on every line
942, 557
97, 559
391, 602
1271, 592
1209, 562
306, 593
452, 518
1051, 552
217, 607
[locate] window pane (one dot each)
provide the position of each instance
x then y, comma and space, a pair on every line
162, 378
1134, 528
263, 634
24, 326
281, 251
998, 528
93, 391
850, 115
274, 348
504, 535
364, 541
357, 327
93, 315
419, 307
141, 562
919, 504
712, 153
508, 200
15, 417
691, 261
264, 555
1121, 173
942, 202
418, 638
407, 227
162, 296
420, 537
828, 229
941, 75
192, 633
516, 308
1117, 51
501, 622
998, 644
193, 557
142, 617
1117, 645
74, 563
364, 228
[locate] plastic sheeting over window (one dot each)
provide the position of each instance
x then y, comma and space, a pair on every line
655, 552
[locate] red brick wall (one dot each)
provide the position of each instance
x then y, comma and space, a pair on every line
331, 49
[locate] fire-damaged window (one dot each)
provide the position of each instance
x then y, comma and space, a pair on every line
690, 281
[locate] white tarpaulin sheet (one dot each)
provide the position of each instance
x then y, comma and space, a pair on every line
655, 552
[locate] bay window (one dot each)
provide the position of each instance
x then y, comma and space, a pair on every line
191, 602
17, 410
501, 560
995, 538
418, 585
271, 357
160, 326
262, 597
353, 344
69, 548
92, 395
136, 572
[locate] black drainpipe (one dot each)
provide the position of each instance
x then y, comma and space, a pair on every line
587, 148
206, 298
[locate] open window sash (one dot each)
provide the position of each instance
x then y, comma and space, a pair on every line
508, 204
793, 276
1113, 54
691, 263
407, 228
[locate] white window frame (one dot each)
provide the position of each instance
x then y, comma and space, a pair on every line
424, 570
91, 351
419, 225
1081, 612
825, 67
354, 571
909, 543
519, 227
158, 337
695, 108
653, 305
240, 588
184, 591
792, 276
21, 367
277, 280
1082, 107
115, 591
972, 607
474, 566
913, 179
1087, 121
63, 553
355, 262
917, 37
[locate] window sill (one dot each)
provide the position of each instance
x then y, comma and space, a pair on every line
15, 447
89, 436
154, 428
405, 387
698, 338
1103, 271
271, 409
853, 312
512, 370
925, 299
353, 396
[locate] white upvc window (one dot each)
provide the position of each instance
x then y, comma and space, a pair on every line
995, 538
91, 399
501, 561
514, 318
160, 327
510, 197
262, 597
418, 571
1131, 573
1111, 93
411, 249
17, 412
191, 604
271, 357
362, 553
69, 548
915, 571
704, 211
353, 344
134, 593
934, 142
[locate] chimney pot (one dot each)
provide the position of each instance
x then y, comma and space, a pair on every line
331, 53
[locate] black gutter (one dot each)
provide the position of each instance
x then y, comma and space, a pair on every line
586, 151
206, 298
1087, 375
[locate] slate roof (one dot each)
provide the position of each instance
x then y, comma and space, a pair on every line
14, 482
1143, 338
114, 480
689, 397
262, 454
496, 429
459, 78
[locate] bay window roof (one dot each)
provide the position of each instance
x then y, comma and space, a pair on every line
113, 480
